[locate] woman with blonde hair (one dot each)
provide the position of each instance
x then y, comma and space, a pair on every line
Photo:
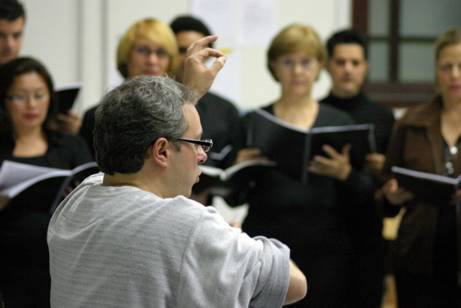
308, 217
148, 47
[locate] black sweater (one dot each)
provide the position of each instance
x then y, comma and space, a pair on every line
364, 111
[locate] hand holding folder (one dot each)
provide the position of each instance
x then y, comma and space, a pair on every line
223, 181
293, 148
428, 187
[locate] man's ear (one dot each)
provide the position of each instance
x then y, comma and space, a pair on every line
160, 151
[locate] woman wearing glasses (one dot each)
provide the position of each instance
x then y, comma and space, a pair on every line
428, 139
148, 47
26, 105
308, 217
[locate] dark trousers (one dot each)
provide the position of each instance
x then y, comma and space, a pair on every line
327, 278
366, 284
421, 291
24, 269
26, 287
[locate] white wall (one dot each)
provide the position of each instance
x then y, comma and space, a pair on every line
52, 35
76, 39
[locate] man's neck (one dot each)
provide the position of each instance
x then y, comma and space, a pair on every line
343, 94
135, 180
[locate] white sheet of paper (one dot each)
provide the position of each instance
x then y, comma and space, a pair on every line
219, 15
258, 22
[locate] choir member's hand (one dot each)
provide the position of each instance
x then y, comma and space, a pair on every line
248, 154
335, 164
375, 162
394, 194
69, 123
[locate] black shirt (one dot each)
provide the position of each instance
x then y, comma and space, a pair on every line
23, 225
310, 218
219, 119
365, 111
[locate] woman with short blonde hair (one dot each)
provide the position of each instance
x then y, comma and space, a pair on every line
296, 37
148, 47
151, 31
309, 217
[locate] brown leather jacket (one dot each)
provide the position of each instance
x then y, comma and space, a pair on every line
417, 144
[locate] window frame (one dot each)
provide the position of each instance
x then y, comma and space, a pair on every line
392, 92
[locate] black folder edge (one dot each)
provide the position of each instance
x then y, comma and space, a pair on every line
66, 96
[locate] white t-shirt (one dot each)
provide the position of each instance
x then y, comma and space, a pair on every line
124, 247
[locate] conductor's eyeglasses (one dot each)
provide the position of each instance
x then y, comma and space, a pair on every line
205, 144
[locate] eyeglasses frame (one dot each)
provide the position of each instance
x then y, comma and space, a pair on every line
206, 144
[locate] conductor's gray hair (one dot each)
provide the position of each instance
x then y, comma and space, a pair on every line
133, 116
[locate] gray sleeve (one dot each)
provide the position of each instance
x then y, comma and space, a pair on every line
223, 267
272, 292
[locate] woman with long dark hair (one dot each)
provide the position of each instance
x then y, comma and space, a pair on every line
26, 105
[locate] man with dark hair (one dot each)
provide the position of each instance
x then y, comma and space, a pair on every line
347, 65
187, 29
131, 238
12, 21
219, 116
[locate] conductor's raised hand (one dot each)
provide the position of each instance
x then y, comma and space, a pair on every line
197, 75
